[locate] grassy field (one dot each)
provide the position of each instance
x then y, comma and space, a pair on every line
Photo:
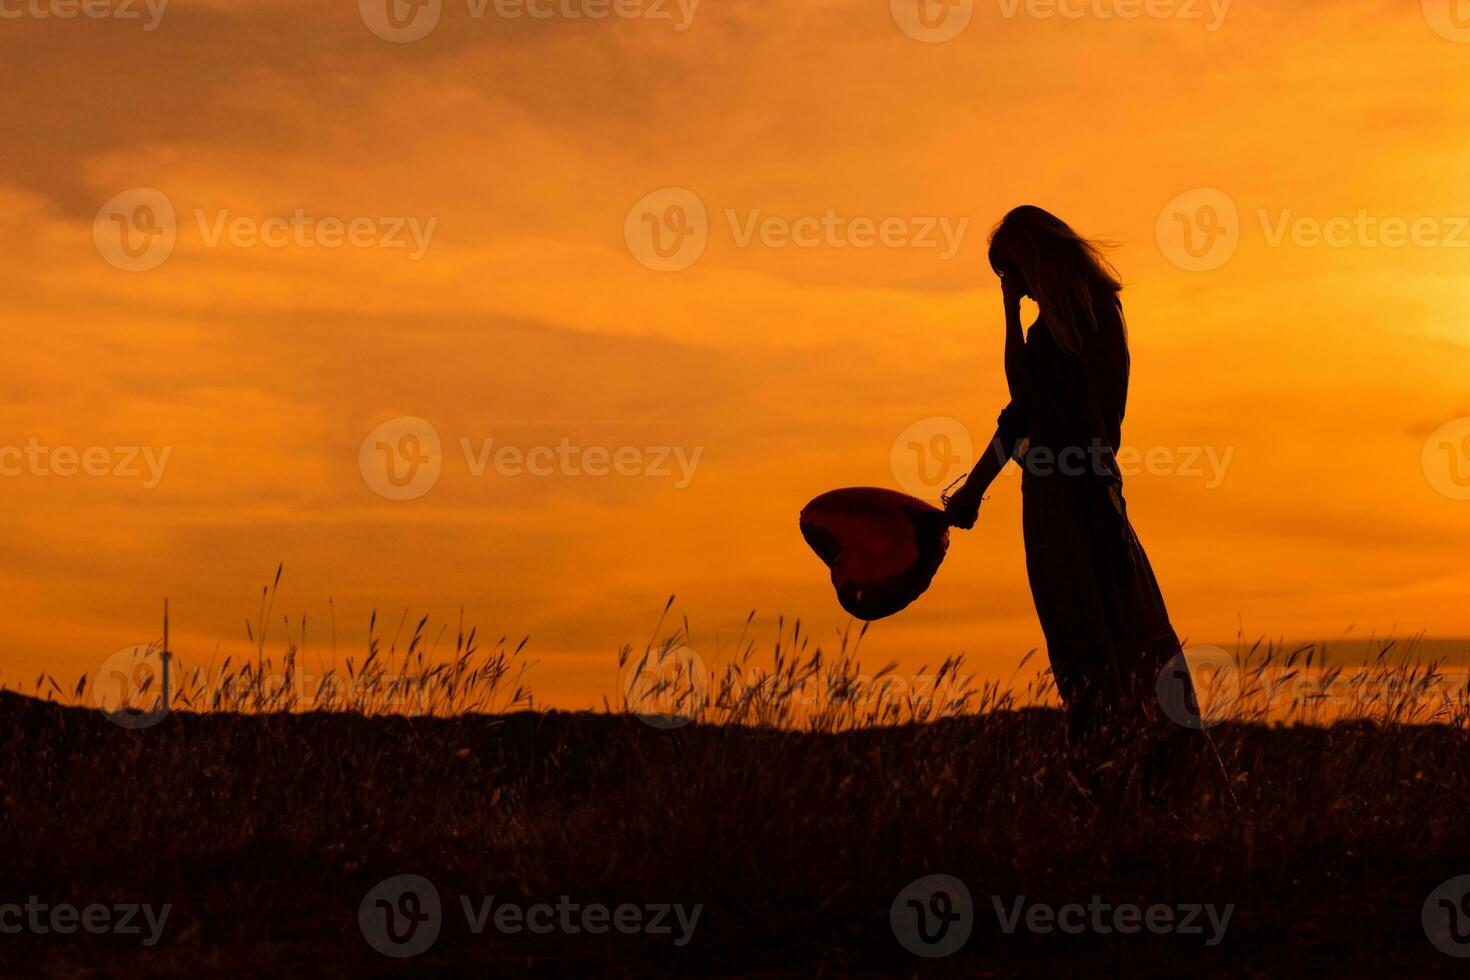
785, 819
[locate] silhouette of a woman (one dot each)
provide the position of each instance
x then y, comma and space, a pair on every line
1107, 632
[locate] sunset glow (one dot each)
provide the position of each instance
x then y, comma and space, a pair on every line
655, 279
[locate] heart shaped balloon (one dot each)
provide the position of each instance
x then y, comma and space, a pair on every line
883, 547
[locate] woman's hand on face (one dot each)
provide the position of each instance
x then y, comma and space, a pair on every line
1011, 291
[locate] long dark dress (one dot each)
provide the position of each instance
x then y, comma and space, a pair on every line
1107, 631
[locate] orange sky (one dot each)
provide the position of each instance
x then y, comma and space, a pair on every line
520, 149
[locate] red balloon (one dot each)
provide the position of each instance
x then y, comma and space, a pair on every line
882, 546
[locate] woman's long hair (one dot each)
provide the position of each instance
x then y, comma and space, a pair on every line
1067, 275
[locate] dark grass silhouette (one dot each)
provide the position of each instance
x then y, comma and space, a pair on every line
795, 826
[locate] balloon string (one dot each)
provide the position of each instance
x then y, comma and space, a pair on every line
945, 494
